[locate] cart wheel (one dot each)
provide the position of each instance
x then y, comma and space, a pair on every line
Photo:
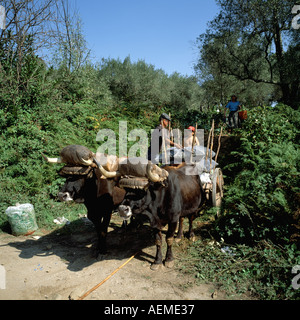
217, 188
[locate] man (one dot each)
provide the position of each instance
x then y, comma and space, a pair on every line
234, 105
161, 134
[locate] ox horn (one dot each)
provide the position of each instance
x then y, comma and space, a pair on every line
154, 177
52, 160
86, 162
107, 174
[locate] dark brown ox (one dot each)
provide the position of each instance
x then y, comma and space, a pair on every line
86, 183
179, 196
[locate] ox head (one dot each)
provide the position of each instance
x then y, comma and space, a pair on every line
77, 155
81, 166
139, 180
76, 180
134, 202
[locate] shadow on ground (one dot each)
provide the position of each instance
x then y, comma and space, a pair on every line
75, 244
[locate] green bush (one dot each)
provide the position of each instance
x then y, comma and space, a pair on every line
262, 198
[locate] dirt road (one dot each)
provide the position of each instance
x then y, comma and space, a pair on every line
61, 266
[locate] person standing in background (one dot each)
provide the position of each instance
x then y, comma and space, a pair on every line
234, 106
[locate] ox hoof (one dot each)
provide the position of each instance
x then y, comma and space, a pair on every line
192, 237
155, 266
169, 264
177, 240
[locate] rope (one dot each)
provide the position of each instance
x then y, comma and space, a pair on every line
100, 284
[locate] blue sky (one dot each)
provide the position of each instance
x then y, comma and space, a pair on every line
161, 32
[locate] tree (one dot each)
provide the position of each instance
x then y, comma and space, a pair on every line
28, 28
71, 50
246, 41
139, 83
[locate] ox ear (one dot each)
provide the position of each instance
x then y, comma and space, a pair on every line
52, 160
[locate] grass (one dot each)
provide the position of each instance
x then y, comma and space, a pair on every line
261, 272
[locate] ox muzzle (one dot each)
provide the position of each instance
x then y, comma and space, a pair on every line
66, 196
125, 212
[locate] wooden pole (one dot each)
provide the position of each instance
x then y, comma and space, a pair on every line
100, 284
163, 141
207, 146
212, 144
170, 130
194, 141
219, 145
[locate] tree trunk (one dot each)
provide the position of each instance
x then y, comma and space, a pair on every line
281, 66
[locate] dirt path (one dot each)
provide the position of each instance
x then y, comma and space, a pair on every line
62, 266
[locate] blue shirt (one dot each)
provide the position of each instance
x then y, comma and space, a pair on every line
233, 106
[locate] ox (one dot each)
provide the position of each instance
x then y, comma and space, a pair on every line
166, 203
86, 182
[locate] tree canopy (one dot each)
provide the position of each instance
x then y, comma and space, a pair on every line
252, 43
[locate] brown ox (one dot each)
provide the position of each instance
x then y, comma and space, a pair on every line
180, 195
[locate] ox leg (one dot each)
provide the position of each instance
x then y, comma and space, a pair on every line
158, 259
101, 232
101, 221
191, 232
180, 230
169, 261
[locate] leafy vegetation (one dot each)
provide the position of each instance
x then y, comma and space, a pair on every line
263, 200
262, 272
260, 219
